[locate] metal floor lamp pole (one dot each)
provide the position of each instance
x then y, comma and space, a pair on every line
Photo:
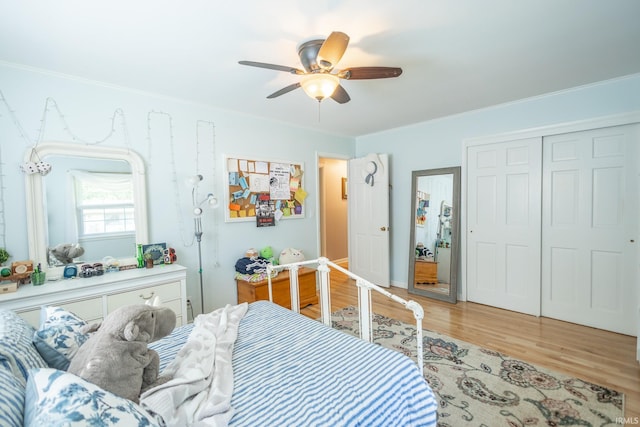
198, 231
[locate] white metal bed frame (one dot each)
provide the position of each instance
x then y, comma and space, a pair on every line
323, 265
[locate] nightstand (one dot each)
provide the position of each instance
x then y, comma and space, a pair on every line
254, 291
426, 272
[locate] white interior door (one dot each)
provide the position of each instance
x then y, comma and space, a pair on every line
503, 224
368, 197
589, 228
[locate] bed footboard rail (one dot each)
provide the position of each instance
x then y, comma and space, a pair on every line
324, 266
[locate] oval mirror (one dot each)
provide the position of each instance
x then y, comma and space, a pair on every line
435, 222
53, 214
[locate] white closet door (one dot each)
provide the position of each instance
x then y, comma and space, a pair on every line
503, 224
589, 227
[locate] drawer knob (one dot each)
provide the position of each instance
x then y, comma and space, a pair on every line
147, 298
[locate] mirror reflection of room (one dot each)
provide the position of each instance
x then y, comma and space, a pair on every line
89, 204
434, 215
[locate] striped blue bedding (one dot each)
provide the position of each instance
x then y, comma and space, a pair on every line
290, 370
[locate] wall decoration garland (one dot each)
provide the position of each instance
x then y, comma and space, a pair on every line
263, 191
179, 187
174, 172
50, 104
43, 167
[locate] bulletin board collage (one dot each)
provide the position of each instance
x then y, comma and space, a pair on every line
263, 191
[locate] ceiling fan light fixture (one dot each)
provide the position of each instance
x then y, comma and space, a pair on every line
319, 86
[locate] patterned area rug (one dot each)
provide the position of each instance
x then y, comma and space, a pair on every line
480, 387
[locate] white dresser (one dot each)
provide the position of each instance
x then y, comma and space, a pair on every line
93, 298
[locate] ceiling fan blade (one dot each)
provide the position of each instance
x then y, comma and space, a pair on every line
362, 73
291, 70
340, 95
284, 90
332, 50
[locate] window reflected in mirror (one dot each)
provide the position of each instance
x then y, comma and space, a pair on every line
90, 202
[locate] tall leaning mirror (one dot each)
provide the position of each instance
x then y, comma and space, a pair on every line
50, 205
434, 242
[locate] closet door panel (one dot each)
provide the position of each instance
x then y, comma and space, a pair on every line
503, 226
563, 270
589, 224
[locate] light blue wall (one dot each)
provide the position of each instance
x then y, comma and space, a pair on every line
88, 108
438, 143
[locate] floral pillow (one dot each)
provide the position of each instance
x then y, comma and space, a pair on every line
56, 398
59, 337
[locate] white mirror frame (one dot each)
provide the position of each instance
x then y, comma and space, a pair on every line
34, 194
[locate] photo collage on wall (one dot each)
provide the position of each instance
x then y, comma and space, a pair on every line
264, 191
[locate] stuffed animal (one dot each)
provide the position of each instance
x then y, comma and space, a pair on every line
267, 253
289, 255
117, 358
251, 253
423, 252
66, 252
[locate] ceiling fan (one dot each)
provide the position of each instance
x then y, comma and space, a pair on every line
318, 58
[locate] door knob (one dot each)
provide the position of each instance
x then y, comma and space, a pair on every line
383, 228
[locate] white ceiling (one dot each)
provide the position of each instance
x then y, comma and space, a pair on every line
456, 55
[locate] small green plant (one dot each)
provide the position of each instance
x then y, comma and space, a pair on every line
4, 255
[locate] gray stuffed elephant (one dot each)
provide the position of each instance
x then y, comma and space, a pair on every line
66, 252
117, 357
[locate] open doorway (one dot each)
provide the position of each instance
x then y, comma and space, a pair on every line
333, 209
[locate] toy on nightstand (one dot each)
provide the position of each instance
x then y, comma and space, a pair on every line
422, 252
267, 253
251, 253
289, 255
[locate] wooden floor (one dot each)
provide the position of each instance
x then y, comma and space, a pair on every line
594, 355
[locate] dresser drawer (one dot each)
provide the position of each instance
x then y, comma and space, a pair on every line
89, 310
166, 292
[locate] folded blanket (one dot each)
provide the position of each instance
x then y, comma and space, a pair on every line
199, 393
